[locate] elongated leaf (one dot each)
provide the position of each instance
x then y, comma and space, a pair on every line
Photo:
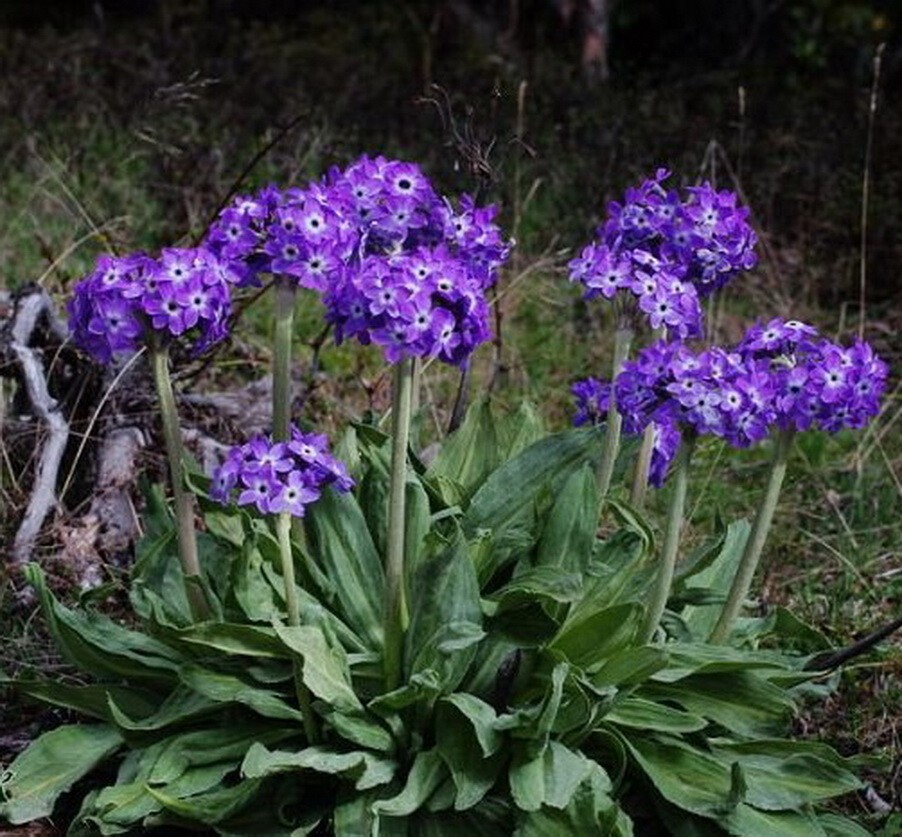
323, 670
89, 700
505, 502
211, 807
446, 618
181, 706
518, 430
426, 774
226, 688
717, 577
101, 647
482, 718
50, 766
684, 776
747, 821
591, 811
472, 770
786, 775
630, 666
739, 701
569, 534
416, 528
469, 454
366, 770
590, 637
543, 584
345, 551
231, 638
549, 777
646, 714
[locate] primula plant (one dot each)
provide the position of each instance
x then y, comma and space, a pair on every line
363, 643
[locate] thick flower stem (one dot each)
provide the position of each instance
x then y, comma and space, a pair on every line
283, 530
623, 337
639, 487
281, 370
672, 532
182, 500
754, 546
395, 599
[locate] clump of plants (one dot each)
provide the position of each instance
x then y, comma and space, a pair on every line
358, 642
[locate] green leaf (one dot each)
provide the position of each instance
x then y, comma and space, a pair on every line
469, 454
739, 701
518, 430
181, 706
365, 770
837, 826
211, 807
361, 730
747, 821
234, 639
683, 775
482, 718
89, 700
426, 774
49, 766
646, 714
505, 502
102, 648
569, 534
446, 617
226, 688
787, 775
473, 770
345, 551
549, 777
717, 576
546, 584
416, 527
590, 637
324, 672
630, 666
590, 813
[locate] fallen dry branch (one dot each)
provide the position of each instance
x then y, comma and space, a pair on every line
33, 310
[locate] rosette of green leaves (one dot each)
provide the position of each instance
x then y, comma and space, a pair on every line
528, 706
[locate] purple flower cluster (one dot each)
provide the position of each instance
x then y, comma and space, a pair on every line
782, 374
397, 264
424, 304
281, 476
668, 251
123, 300
593, 397
299, 233
815, 382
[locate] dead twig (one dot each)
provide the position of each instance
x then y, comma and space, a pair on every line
32, 308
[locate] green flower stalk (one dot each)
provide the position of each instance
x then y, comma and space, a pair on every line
396, 616
754, 546
639, 486
623, 337
283, 531
182, 499
282, 343
672, 533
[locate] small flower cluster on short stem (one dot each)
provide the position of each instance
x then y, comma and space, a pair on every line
279, 477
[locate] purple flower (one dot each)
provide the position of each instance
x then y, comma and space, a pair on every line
668, 251
124, 300
281, 476
593, 397
815, 382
